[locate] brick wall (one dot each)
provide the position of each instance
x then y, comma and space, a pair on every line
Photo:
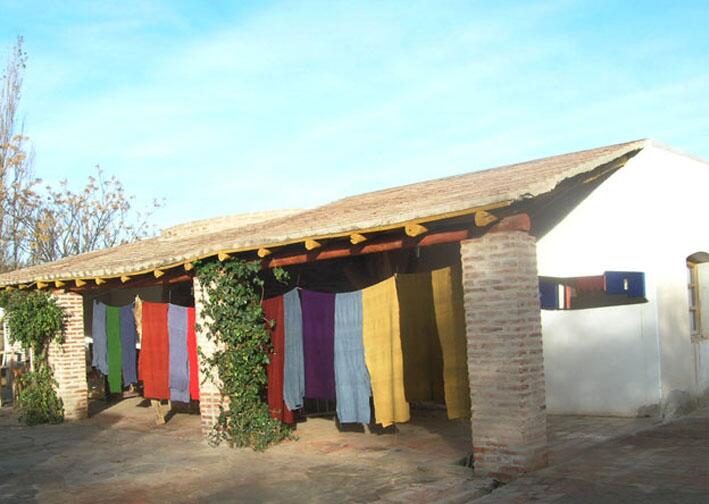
209, 396
69, 360
505, 361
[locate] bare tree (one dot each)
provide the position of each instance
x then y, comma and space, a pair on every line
99, 216
10, 94
18, 200
45, 225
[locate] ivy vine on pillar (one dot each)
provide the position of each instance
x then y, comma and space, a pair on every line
234, 320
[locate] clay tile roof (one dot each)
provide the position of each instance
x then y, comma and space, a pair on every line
374, 211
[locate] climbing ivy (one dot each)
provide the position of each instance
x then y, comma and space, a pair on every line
34, 319
235, 321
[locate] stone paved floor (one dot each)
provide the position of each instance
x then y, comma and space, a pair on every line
119, 455
663, 463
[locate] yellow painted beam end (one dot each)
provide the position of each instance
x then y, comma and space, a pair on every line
125, 278
189, 266
413, 229
42, 285
312, 244
223, 256
79, 282
59, 284
158, 273
483, 218
263, 252
22, 286
99, 281
356, 238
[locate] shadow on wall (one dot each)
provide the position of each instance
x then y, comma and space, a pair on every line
595, 362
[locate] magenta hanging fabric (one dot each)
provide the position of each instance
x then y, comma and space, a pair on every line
319, 344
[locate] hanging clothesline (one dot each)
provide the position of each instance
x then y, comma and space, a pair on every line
400, 340
114, 344
165, 333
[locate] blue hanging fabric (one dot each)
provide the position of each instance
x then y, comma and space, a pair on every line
548, 295
99, 358
351, 376
179, 364
129, 337
630, 283
293, 367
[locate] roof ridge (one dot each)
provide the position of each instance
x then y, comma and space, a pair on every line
643, 141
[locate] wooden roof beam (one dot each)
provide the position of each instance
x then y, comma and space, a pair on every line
368, 248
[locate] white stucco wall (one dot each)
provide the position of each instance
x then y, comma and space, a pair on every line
703, 366
645, 217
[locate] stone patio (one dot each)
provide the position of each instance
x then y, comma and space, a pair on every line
659, 464
120, 455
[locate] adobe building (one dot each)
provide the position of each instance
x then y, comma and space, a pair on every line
583, 281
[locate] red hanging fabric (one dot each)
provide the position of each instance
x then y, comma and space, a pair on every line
273, 311
154, 361
590, 283
192, 354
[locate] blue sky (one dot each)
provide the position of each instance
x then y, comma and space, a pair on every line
226, 107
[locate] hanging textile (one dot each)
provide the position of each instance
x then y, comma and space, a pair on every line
548, 295
193, 362
631, 283
274, 315
569, 294
419, 341
450, 319
351, 375
113, 348
154, 361
98, 333
590, 283
138, 314
319, 344
179, 370
128, 340
382, 352
293, 368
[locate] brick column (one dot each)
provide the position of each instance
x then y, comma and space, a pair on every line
68, 361
505, 361
209, 396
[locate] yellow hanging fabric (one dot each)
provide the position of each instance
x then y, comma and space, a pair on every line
450, 321
382, 352
419, 341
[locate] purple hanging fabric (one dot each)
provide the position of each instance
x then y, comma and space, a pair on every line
319, 344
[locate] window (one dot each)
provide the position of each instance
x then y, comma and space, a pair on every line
698, 294
695, 309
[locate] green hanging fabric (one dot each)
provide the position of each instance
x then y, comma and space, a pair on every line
113, 333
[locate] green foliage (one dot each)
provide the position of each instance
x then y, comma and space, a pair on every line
35, 320
235, 321
38, 400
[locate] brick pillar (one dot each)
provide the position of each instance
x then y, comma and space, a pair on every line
209, 396
505, 361
68, 361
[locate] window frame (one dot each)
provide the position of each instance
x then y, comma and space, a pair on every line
695, 302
